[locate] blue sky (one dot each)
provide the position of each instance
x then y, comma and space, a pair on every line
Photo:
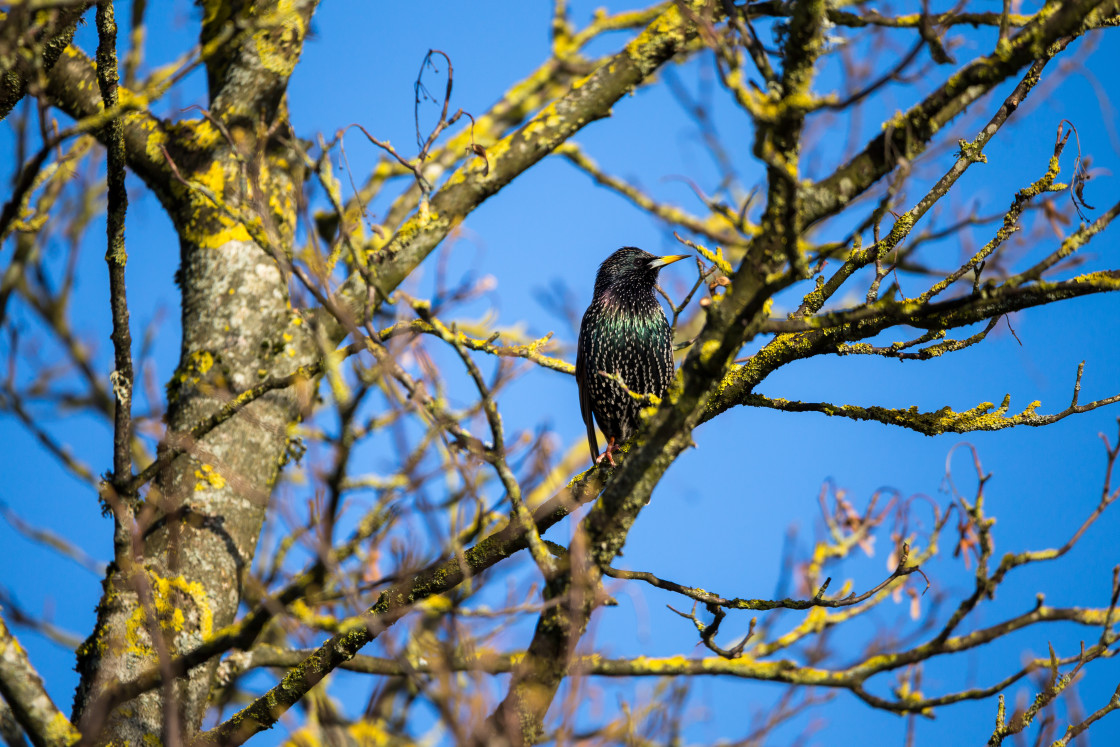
719, 518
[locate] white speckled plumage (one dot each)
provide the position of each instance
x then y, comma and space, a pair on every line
624, 332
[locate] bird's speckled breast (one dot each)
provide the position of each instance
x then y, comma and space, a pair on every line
628, 336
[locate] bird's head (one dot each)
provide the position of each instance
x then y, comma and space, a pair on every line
631, 270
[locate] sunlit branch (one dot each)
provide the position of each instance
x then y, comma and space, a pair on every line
909, 134
871, 17
557, 122
970, 153
549, 81
51, 180
116, 255
818, 600
530, 351
1073, 730
897, 350
23, 689
984, 417
47, 33
717, 227
984, 304
540, 553
393, 603
852, 677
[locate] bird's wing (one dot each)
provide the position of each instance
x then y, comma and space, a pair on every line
585, 399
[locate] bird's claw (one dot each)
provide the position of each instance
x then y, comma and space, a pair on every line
612, 447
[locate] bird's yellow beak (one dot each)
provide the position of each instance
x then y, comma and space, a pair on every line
667, 260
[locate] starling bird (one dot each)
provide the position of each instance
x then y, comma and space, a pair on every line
624, 335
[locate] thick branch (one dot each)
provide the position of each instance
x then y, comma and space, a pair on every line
23, 689
52, 31
872, 17
248, 76
73, 87
588, 100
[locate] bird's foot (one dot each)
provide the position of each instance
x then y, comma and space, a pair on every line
612, 448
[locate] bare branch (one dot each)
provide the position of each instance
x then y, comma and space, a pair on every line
23, 690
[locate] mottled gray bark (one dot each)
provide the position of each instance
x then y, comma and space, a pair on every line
235, 320
202, 516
